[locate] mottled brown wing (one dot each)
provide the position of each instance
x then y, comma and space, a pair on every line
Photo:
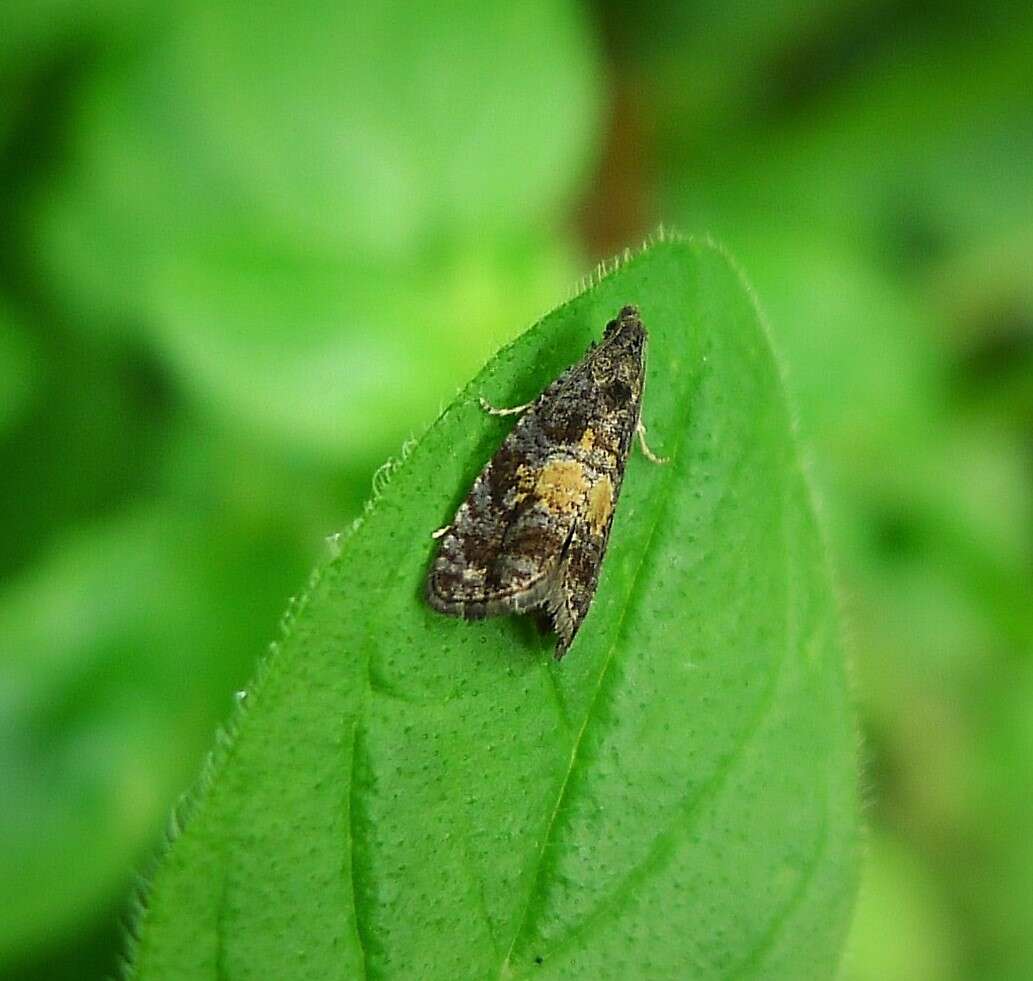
503, 546
572, 589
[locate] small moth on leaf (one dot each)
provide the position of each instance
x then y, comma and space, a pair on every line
532, 532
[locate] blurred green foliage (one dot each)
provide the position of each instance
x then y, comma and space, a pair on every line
246, 250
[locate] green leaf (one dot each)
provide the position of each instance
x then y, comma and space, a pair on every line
407, 795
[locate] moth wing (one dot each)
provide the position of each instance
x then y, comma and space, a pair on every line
496, 567
573, 586
503, 549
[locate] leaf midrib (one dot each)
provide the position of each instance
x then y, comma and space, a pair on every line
664, 496
689, 811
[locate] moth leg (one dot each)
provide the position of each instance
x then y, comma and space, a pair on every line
640, 431
492, 411
441, 532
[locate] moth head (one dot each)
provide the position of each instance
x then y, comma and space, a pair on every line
628, 317
620, 357
624, 339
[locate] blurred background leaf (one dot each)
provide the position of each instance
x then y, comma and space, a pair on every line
247, 250
250, 180
19, 370
119, 653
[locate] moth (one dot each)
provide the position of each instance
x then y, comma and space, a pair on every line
532, 533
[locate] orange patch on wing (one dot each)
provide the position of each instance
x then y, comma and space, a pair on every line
600, 504
562, 484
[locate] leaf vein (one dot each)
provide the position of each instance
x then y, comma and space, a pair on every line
767, 941
351, 851
607, 663
689, 809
